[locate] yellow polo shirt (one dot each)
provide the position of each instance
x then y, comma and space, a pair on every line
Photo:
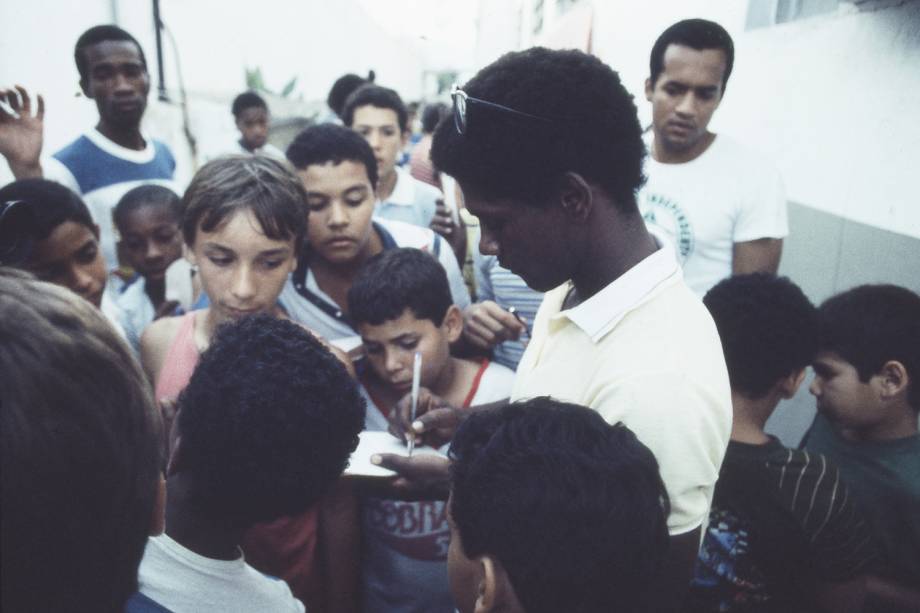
643, 351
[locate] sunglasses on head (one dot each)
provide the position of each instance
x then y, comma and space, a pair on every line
462, 101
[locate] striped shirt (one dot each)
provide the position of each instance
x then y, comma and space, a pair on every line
782, 520
505, 288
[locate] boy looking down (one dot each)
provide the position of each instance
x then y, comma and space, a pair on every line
401, 305
552, 509
338, 170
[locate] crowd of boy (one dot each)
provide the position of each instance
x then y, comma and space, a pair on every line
603, 452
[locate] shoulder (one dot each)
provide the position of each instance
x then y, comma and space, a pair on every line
425, 191
155, 343
163, 150
407, 235
74, 150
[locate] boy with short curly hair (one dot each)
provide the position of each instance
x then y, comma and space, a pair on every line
264, 429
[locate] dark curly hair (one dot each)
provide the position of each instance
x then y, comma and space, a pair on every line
697, 34
247, 100
768, 328
267, 422
870, 325
377, 96
328, 143
343, 87
573, 508
396, 280
593, 128
146, 195
30, 210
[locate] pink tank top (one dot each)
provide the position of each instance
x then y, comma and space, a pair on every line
181, 360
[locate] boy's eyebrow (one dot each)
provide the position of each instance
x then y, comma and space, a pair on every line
278, 251
404, 336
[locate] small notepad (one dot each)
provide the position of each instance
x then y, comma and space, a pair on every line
371, 443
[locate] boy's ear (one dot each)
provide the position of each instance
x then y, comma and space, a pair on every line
649, 89
575, 196
453, 323
893, 379
790, 384
84, 89
495, 590
158, 517
96, 231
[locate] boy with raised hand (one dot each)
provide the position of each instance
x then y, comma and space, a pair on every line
553, 509
783, 533
379, 115
401, 305
264, 429
79, 455
867, 386
116, 155
338, 170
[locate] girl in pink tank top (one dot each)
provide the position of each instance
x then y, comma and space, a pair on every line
243, 266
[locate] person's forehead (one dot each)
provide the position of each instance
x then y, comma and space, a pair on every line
832, 360
63, 242
113, 52
700, 65
147, 218
392, 329
253, 113
370, 115
332, 178
242, 233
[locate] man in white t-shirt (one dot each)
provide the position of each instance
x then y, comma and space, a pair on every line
115, 156
379, 115
722, 206
338, 169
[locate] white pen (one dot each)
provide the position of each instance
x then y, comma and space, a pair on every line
416, 381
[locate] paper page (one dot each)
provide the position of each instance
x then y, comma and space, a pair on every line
359, 465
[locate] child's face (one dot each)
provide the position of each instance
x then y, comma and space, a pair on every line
842, 397
242, 270
380, 128
253, 126
70, 256
392, 345
150, 241
341, 201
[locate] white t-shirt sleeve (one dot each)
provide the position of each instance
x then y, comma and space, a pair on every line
53, 170
682, 424
763, 208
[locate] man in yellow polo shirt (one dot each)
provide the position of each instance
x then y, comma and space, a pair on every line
548, 150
